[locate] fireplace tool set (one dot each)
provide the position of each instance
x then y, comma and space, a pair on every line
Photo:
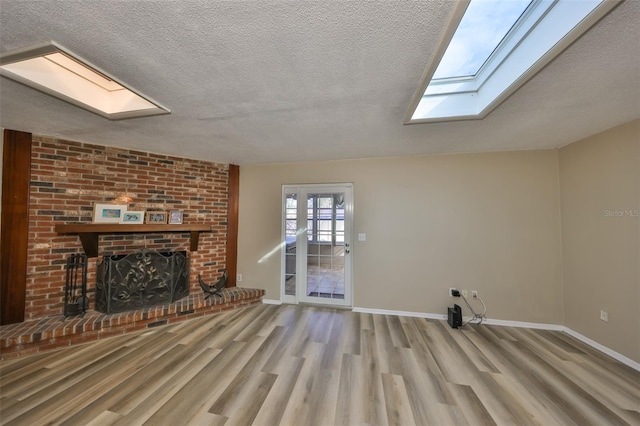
75, 290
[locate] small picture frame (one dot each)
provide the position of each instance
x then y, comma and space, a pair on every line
108, 213
132, 217
156, 217
175, 217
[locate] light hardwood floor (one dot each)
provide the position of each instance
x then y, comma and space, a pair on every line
294, 365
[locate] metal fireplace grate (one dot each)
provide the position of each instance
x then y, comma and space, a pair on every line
75, 288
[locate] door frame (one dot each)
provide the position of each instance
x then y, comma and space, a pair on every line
301, 260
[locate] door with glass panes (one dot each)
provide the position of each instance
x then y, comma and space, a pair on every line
316, 261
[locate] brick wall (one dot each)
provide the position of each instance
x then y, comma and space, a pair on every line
68, 177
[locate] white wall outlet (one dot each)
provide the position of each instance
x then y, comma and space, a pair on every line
463, 293
474, 294
604, 316
238, 277
362, 237
451, 291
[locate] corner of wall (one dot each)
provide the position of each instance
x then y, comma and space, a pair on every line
600, 226
559, 198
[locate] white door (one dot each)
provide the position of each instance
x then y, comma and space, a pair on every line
316, 264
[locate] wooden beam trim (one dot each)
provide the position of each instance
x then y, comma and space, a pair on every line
16, 177
232, 224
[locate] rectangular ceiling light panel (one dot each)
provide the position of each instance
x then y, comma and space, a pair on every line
57, 72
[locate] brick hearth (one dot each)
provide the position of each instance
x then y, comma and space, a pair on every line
53, 332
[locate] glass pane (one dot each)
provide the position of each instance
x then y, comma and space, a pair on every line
340, 232
291, 227
482, 28
325, 260
324, 225
325, 202
310, 230
290, 285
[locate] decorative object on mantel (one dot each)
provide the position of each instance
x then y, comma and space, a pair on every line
122, 198
156, 217
76, 301
89, 233
108, 213
216, 289
175, 217
132, 218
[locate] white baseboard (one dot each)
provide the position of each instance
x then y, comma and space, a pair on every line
521, 324
400, 313
613, 354
271, 302
524, 324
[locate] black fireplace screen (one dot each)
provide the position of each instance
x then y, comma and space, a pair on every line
141, 279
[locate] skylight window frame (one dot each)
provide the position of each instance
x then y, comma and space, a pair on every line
500, 46
42, 50
529, 19
466, 98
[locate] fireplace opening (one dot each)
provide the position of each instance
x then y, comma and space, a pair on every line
141, 279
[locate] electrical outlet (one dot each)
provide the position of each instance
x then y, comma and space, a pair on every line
451, 291
604, 316
474, 294
239, 277
463, 293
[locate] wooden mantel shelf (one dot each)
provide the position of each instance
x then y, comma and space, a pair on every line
89, 232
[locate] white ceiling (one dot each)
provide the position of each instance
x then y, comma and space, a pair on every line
278, 81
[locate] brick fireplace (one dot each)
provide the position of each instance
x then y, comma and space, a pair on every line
68, 177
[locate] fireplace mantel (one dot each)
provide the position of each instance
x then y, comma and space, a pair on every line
89, 232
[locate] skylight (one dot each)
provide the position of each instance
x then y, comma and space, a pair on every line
57, 72
483, 26
497, 46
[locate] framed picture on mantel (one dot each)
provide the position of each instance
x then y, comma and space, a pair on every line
175, 217
157, 217
132, 218
108, 213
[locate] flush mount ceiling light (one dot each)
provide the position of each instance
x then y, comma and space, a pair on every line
491, 48
53, 69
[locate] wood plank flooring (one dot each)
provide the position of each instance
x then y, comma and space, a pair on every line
294, 365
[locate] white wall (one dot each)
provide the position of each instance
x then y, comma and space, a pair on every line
600, 193
486, 222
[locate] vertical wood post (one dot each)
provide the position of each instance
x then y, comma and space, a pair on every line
16, 174
232, 224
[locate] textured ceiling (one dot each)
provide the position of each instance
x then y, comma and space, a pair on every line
280, 81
